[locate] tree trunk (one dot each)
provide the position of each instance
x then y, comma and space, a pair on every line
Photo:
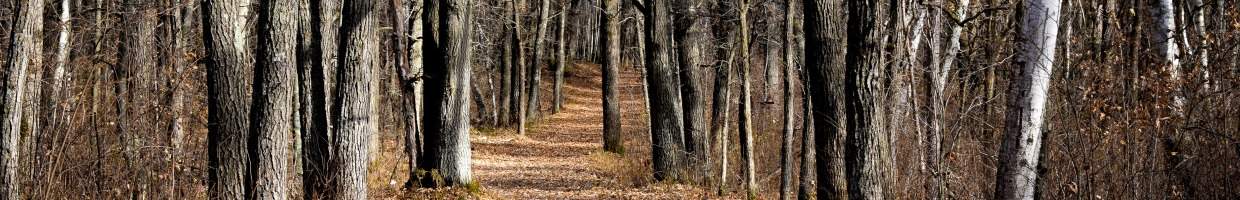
720, 110
562, 59
410, 74
25, 51
693, 37
667, 126
867, 143
359, 48
272, 123
315, 111
746, 105
824, 52
226, 34
612, 139
517, 59
448, 93
1018, 155
807, 140
535, 71
1164, 44
785, 187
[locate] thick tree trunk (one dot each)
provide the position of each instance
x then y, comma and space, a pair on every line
693, 37
746, 105
824, 52
867, 143
666, 127
226, 32
1018, 155
359, 51
272, 122
448, 93
25, 52
612, 140
535, 71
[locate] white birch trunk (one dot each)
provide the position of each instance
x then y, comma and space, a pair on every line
1018, 156
1163, 37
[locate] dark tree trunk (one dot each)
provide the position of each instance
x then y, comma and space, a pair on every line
666, 130
315, 77
866, 153
694, 42
612, 140
447, 93
824, 58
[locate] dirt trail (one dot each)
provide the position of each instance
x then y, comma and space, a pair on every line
560, 156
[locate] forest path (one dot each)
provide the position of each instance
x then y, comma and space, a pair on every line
560, 156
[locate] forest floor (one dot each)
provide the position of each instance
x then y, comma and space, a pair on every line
561, 157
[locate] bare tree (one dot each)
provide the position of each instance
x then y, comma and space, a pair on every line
535, 71
229, 62
786, 160
447, 93
562, 57
667, 128
315, 99
1022, 140
272, 122
516, 60
612, 139
409, 33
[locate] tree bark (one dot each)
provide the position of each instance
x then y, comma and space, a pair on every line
824, 52
359, 48
535, 71
316, 78
410, 74
447, 93
562, 59
517, 59
746, 105
25, 51
1018, 155
720, 108
273, 98
693, 38
612, 138
667, 128
867, 143
226, 32
785, 188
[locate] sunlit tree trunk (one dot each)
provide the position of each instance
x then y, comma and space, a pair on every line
535, 71
410, 75
1022, 141
447, 151
272, 122
746, 106
229, 67
785, 187
315, 97
25, 52
562, 59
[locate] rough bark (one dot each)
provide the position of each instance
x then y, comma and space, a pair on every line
447, 94
824, 58
693, 36
786, 160
746, 106
25, 49
226, 31
866, 153
359, 49
612, 139
273, 98
410, 74
518, 105
666, 128
315, 111
1022, 141
806, 190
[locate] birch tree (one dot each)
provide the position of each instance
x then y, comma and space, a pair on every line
1022, 137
